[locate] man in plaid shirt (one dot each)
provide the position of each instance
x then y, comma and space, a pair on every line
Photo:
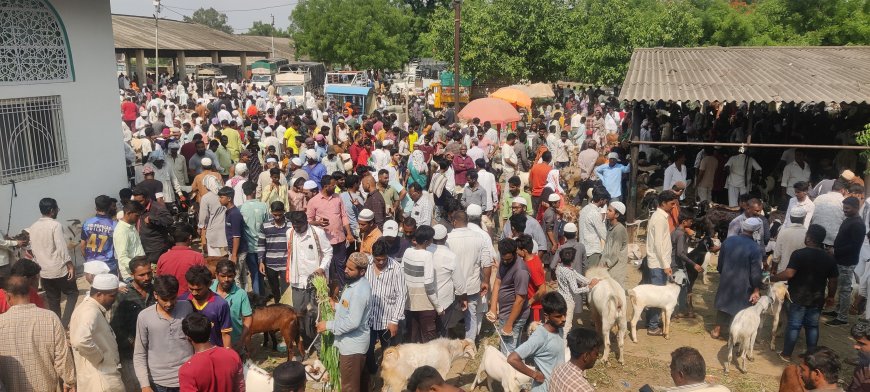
585, 346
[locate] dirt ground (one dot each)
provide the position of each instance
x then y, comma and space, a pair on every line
646, 362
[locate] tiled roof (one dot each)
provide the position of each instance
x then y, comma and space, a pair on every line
759, 74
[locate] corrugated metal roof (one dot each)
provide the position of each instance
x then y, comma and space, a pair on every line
137, 32
759, 74
283, 48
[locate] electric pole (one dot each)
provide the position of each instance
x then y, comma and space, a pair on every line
272, 34
457, 5
156, 43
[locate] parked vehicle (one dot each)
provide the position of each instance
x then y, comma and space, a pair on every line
295, 79
263, 71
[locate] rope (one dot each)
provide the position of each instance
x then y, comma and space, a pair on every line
12, 197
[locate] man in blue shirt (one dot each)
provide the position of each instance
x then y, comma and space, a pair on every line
235, 225
96, 239
351, 324
611, 175
209, 304
314, 168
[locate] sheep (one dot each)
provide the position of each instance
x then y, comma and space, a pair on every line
494, 367
400, 361
607, 305
709, 259
653, 296
779, 294
744, 330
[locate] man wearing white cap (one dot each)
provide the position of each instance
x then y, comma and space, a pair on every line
551, 218
614, 256
380, 156
237, 181
740, 271
825, 186
611, 173
368, 231
295, 170
212, 220
449, 277
316, 171
790, 238
592, 231
93, 268
93, 343
142, 122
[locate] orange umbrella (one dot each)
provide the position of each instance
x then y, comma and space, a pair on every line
513, 96
494, 110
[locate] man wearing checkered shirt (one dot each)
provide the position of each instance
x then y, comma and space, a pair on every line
585, 346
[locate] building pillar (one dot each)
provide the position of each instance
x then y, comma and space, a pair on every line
215, 58
182, 64
129, 65
243, 65
140, 66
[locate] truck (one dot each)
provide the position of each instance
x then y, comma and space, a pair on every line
351, 87
295, 79
263, 71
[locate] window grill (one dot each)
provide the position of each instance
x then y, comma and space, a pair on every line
32, 142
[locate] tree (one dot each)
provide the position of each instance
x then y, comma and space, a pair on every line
504, 39
365, 34
212, 18
266, 30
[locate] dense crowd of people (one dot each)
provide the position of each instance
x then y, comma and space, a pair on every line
425, 227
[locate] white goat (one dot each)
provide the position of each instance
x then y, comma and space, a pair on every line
607, 305
778, 294
708, 259
652, 296
494, 367
744, 330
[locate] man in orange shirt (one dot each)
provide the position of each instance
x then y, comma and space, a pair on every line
538, 178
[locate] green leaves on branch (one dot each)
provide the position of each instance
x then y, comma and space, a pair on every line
212, 18
365, 34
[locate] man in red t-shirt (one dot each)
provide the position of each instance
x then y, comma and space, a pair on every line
537, 279
211, 368
27, 269
538, 178
129, 112
180, 258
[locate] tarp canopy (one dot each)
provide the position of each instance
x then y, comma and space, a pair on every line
536, 90
494, 110
513, 96
750, 74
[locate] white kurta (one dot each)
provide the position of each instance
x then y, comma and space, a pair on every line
94, 349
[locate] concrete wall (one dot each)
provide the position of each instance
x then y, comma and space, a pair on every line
91, 115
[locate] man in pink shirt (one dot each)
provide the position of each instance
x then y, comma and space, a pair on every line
325, 210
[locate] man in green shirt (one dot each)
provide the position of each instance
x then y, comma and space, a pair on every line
240, 307
515, 189
223, 155
254, 213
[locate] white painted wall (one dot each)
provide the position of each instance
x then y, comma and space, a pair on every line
91, 115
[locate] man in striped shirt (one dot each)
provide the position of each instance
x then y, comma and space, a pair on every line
389, 294
423, 306
272, 250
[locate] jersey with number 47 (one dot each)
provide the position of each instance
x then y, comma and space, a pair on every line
97, 235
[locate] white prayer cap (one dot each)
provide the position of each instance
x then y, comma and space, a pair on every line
519, 200
848, 175
798, 212
387, 143
613, 155
440, 232
241, 168
271, 160
751, 224
143, 113
554, 197
310, 154
391, 228
297, 161
366, 215
309, 185
618, 206
206, 161
96, 267
570, 227
474, 210
105, 282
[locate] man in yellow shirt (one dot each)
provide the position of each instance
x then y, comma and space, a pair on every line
290, 139
234, 140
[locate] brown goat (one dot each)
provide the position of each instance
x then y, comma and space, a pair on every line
271, 318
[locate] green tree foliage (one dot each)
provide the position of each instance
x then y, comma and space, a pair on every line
506, 39
211, 18
592, 40
361, 33
266, 30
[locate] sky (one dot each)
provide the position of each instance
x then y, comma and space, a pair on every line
240, 14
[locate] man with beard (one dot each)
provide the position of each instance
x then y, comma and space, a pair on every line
545, 346
195, 164
820, 369
154, 224
861, 376
137, 297
159, 349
